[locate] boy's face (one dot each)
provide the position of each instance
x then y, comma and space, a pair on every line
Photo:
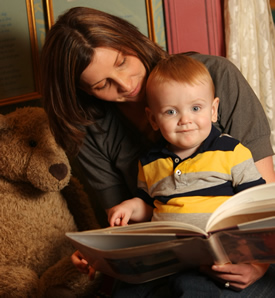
183, 113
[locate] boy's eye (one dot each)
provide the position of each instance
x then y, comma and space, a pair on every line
196, 108
171, 112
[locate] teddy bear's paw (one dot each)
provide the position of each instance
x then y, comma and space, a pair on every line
59, 291
18, 282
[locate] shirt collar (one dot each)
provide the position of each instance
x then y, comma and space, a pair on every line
161, 145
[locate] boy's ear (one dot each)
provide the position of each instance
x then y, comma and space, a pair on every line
151, 118
215, 106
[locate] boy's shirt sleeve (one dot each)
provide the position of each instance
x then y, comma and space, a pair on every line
142, 191
244, 171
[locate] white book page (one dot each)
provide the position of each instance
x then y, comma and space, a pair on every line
260, 197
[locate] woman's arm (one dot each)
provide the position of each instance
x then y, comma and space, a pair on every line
266, 169
107, 163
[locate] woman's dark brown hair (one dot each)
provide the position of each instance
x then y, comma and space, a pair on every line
68, 50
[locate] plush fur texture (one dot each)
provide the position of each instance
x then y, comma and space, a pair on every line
39, 203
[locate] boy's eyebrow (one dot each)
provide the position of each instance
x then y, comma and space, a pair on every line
199, 99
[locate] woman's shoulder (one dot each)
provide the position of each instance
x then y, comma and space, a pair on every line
216, 64
209, 59
227, 78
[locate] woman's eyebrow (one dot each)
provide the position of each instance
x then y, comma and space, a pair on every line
117, 56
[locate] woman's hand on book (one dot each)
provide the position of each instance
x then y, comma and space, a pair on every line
236, 276
82, 265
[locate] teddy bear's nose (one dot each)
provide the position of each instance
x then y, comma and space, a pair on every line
59, 170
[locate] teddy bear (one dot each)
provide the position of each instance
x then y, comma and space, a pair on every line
40, 202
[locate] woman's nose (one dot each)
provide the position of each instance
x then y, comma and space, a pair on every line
124, 83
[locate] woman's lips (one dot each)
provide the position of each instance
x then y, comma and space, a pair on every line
135, 91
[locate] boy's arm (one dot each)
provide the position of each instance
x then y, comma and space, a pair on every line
134, 209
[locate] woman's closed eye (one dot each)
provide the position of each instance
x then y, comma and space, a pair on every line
101, 85
122, 62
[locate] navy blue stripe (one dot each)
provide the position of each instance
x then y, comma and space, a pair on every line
212, 143
225, 189
140, 193
250, 184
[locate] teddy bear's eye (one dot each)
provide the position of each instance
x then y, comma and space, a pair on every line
32, 143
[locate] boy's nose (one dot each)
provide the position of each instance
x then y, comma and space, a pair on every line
184, 119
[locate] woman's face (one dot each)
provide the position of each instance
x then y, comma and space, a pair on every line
114, 76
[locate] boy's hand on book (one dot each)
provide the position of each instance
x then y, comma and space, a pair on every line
119, 215
236, 276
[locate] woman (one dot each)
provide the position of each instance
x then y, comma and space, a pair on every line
94, 69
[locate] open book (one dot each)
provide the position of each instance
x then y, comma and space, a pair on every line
241, 230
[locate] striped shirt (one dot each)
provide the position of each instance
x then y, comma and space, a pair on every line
182, 189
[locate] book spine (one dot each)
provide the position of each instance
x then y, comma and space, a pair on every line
217, 250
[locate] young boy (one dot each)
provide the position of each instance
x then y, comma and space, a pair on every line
195, 168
